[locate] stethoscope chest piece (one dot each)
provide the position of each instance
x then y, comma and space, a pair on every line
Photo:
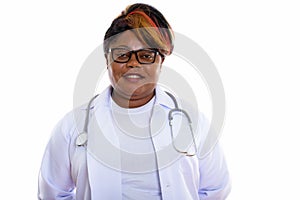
82, 139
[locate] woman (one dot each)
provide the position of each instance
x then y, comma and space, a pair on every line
126, 156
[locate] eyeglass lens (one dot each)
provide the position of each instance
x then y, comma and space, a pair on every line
143, 56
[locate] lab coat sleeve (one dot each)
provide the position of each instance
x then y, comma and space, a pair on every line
55, 181
214, 176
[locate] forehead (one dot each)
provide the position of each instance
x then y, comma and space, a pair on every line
127, 39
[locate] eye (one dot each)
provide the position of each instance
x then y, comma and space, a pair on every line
120, 54
124, 55
147, 55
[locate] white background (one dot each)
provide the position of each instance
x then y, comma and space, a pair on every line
254, 44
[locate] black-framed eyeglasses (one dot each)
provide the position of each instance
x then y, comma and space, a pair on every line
143, 56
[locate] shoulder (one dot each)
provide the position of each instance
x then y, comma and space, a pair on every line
73, 121
69, 124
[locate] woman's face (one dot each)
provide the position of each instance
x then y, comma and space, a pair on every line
132, 81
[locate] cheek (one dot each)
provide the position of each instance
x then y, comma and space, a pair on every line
155, 72
114, 72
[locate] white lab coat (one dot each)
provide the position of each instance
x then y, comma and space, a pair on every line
93, 170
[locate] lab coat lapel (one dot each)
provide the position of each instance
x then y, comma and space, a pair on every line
160, 130
103, 155
169, 161
165, 154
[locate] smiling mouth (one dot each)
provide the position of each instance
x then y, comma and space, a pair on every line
133, 77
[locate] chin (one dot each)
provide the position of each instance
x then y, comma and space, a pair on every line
138, 93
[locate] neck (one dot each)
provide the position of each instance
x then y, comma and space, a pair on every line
132, 102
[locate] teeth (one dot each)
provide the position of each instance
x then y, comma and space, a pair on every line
133, 76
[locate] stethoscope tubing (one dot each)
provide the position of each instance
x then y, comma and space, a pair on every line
83, 136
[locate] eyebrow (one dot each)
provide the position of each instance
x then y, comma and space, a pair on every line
128, 48
122, 46
131, 50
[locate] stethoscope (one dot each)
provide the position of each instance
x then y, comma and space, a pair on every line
82, 138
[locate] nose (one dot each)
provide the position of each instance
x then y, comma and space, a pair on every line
133, 62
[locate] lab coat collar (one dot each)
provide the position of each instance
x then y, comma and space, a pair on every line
163, 99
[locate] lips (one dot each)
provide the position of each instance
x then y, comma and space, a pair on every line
133, 76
